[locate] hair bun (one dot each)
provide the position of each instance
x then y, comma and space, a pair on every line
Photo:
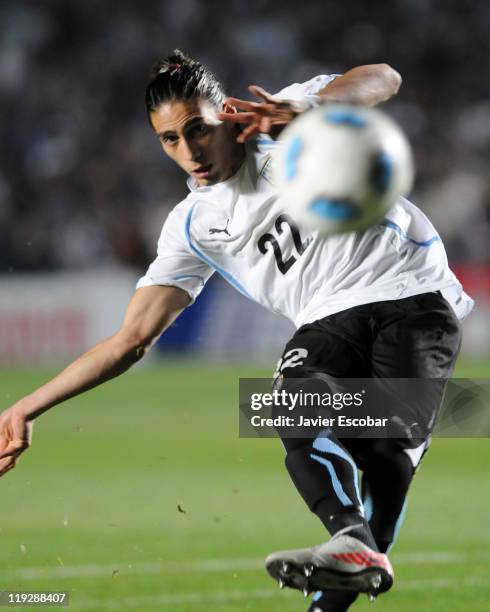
172, 63
180, 77
169, 68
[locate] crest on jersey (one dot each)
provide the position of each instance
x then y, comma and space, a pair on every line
266, 171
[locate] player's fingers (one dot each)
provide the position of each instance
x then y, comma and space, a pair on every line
29, 428
248, 132
261, 93
7, 464
243, 104
14, 447
265, 125
231, 117
246, 117
7, 469
6, 452
6, 461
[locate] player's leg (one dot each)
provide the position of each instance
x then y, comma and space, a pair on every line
332, 600
418, 337
321, 468
325, 474
387, 473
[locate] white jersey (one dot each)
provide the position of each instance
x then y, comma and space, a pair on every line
238, 228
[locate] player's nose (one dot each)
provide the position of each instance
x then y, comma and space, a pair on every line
191, 150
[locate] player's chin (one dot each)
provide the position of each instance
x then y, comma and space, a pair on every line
212, 178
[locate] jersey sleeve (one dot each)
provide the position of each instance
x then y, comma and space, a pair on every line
306, 92
175, 264
297, 92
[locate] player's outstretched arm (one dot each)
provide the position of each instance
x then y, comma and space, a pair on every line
150, 312
364, 85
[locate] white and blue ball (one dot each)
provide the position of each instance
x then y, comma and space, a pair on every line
341, 168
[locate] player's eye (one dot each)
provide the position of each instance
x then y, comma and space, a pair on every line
200, 129
168, 139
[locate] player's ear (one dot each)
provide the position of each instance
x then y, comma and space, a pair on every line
229, 108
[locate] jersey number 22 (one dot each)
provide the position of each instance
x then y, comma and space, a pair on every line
299, 245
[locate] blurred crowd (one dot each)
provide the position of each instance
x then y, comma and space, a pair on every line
82, 180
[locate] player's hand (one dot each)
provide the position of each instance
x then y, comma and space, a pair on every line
15, 437
268, 116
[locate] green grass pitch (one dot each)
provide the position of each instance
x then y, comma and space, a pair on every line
140, 496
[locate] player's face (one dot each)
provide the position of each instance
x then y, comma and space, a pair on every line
207, 152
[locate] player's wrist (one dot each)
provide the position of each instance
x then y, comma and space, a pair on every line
300, 106
26, 409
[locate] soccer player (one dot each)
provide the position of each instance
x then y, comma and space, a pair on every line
381, 303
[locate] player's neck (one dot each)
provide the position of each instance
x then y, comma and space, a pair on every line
236, 164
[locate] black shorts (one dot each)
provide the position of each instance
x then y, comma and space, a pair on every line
415, 337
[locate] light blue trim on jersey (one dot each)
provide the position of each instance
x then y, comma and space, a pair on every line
266, 142
317, 596
326, 445
402, 234
341, 494
292, 154
185, 276
226, 275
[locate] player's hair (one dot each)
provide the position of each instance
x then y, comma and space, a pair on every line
180, 77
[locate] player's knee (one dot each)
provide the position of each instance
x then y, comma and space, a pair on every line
294, 406
389, 456
298, 389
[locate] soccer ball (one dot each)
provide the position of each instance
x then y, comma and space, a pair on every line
340, 168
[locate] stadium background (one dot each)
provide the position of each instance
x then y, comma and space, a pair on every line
139, 495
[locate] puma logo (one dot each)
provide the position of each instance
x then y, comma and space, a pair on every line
216, 230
